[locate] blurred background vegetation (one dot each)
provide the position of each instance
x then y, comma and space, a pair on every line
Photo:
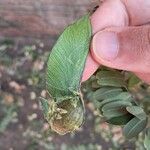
22, 81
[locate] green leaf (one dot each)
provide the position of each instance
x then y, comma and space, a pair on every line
111, 82
122, 96
121, 120
108, 74
116, 105
111, 113
137, 111
110, 78
133, 80
44, 105
67, 59
106, 93
4, 122
147, 140
134, 127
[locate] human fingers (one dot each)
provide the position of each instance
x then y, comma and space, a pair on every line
117, 13
126, 48
105, 16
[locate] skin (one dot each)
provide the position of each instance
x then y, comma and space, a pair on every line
121, 38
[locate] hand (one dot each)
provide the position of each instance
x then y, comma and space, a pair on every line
121, 38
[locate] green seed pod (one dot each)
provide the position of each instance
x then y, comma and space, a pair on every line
65, 116
65, 112
70, 119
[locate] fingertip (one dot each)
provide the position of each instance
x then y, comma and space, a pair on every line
90, 67
144, 76
110, 13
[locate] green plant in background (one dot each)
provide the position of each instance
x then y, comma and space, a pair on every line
4, 57
116, 104
4, 122
147, 140
108, 89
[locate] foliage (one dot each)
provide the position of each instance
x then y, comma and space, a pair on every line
115, 103
147, 140
4, 122
64, 70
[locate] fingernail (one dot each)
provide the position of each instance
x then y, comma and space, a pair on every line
106, 45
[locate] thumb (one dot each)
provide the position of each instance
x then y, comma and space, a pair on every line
125, 48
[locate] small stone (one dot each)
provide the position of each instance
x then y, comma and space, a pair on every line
32, 95
34, 106
32, 117
43, 93
18, 88
8, 99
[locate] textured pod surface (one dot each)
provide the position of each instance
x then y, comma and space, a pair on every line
69, 121
65, 111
